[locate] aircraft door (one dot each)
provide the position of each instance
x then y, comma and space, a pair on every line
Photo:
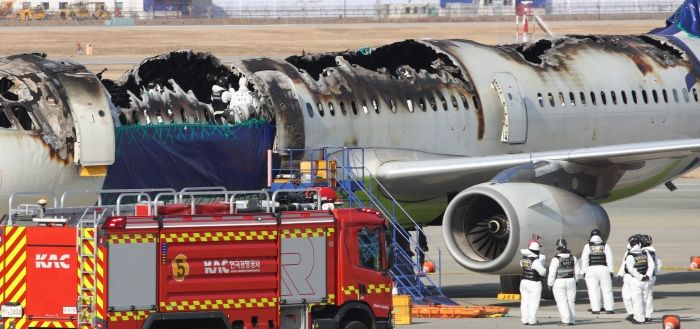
94, 129
514, 110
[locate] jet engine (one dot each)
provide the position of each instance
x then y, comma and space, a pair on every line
486, 225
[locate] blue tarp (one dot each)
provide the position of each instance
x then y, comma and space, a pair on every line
178, 156
686, 18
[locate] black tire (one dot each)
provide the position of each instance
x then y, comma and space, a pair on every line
510, 284
353, 325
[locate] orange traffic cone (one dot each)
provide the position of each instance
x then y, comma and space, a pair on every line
671, 322
694, 263
428, 267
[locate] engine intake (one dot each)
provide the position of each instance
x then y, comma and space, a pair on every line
486, 225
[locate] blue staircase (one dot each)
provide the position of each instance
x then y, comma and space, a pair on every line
344, 169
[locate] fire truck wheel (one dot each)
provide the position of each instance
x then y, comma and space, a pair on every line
353, 325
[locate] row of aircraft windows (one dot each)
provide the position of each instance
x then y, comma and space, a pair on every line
411, 105
634, 97
25, 120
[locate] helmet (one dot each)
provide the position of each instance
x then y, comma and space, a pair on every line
634, 240
596, 232
645, 239
561, 244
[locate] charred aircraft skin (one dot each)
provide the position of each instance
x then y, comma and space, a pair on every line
561, 124
41, 142
432, 99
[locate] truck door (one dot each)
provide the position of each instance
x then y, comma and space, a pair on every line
514, 111
363, 275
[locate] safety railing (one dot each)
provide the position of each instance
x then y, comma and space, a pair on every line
357, 184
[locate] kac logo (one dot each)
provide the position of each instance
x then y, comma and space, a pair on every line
52, 261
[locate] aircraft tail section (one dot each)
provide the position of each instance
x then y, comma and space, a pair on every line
686, 18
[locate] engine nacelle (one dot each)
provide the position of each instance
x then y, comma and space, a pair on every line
486, 225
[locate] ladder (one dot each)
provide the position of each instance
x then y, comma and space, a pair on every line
359, 187
87, 244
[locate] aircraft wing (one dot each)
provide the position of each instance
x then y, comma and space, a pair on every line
419, 180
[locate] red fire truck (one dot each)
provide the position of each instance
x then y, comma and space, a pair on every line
182, 264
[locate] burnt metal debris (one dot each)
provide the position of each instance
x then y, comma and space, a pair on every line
552, 52
32, 100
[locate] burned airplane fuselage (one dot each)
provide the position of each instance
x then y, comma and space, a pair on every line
54, 123
432, 99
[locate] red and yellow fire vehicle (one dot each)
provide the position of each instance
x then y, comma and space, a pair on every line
229, 264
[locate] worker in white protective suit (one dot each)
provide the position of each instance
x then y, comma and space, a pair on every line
533, 268
641, 266
597, 268
624, 276
242, 102
563, 273
649, 297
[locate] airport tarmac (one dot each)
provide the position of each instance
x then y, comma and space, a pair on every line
672, 218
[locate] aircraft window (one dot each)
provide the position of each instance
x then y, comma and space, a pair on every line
685, 95
392, 103
675, 94
476, 103
310, 110
375, 105
624, 97
613, 97
540, 99
433, 104
319, 106
443, 101
409, 103
645, 97
603, 98
342, 109
562, 100
655, 95
551, 99
4, 120
695, 94
24, 118
364, 107
592, 98
331, 110
582, 96
665, 95
421, 104
353, 106
634, 96
510, 96
454, 103
572, 97
465, 103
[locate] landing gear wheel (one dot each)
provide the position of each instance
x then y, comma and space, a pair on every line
510, 284
353, 325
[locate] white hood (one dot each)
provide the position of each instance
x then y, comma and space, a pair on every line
596, 239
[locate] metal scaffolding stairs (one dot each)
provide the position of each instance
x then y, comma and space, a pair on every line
360, 189
87, 244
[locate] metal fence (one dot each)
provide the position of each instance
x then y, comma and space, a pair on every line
423, 11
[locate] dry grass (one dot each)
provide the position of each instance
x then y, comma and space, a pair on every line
272, 40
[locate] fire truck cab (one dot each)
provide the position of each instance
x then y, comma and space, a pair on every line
193, 259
